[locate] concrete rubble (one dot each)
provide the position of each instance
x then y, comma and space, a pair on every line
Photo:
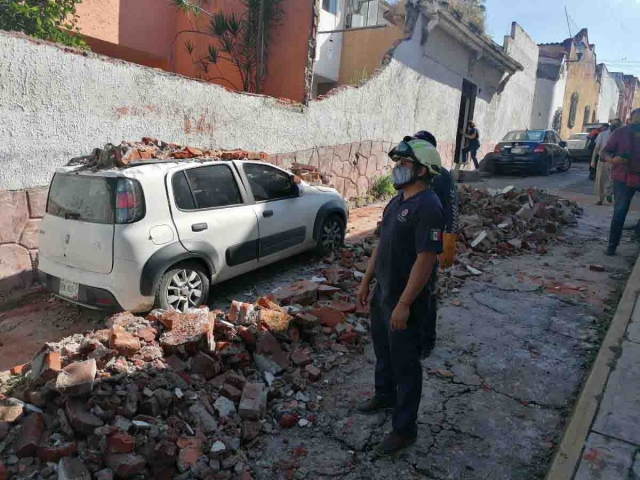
189, 395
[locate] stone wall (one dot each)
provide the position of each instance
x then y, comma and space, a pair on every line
20, 214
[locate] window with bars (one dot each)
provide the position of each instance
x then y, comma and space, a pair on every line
573, 109
587, 115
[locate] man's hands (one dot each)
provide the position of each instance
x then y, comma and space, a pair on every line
400, 316
363, 293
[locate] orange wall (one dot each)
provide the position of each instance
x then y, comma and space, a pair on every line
143, 31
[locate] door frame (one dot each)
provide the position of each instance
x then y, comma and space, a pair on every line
469, 93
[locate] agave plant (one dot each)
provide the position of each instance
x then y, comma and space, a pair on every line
242, 40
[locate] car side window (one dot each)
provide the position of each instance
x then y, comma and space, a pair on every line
548, 138
182, 192
557, 138
212, 186
268, 183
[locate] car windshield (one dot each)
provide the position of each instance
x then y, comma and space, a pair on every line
524, 136
578, 136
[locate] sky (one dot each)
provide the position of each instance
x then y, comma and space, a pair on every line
614, 26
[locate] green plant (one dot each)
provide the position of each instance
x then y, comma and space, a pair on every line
242, 40
382, 187
52, 20
471, 12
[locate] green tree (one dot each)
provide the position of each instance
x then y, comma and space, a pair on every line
242, 40
52, 20
471, 12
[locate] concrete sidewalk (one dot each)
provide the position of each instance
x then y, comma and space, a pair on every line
602, 440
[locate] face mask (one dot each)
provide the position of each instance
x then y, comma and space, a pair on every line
402, 176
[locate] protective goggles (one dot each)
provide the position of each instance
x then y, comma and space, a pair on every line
403, 150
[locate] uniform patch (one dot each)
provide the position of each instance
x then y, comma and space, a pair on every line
405, 212
435, 235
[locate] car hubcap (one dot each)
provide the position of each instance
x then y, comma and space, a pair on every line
331, 236
184, 290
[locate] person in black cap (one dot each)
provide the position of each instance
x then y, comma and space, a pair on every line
403, 264
445, 188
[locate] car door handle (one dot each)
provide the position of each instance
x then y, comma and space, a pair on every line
267, 213
199, 227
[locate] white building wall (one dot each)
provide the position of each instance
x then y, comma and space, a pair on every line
329, 45
609, 97
549, 97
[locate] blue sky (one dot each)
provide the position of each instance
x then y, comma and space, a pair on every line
610, 22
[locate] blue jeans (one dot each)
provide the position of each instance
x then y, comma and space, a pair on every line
622, 200
474, 155
398, 374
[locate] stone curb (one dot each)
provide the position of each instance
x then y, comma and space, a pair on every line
568, 453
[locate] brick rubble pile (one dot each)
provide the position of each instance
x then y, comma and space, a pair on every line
178, 395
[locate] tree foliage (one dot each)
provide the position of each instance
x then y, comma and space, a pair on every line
471, 12
241, 40
52, 20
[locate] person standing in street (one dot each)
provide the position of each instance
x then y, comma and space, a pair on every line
603, 186
472, 136
402, 264
623, 153
445, 188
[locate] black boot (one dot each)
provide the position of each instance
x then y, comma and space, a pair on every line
376, 404
393, 443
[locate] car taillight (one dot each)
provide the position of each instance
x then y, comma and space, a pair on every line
497, 149
539, 149
129, 201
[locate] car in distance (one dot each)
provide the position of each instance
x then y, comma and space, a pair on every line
531, 150
158, 234
578, 145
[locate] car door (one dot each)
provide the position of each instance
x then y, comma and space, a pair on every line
285, 224
552, 148
212, 213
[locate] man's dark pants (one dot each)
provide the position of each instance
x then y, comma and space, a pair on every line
398, 376
474, 155
622, 200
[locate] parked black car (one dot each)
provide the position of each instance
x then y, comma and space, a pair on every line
533, 150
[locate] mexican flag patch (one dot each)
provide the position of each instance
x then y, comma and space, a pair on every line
435, 235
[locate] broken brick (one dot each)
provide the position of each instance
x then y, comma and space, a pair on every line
596, 268
147, 334
125, 465
328, 291
329, 317
77, 378
236, 380
242, 313
10, 413
54, 454
45, 366
307, 320
313, 372
121, 443
268, 304
348, 337
20, 369
302, 292
123, 342
288, 420
253, 401
231, 392
28, 441
343, 307
73, 469
275, 321
250, 430
203, 364
81, 420
300, 358
169, 318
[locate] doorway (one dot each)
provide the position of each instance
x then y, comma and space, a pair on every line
467, 108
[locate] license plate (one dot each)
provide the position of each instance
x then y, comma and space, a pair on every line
517, 150
69, 289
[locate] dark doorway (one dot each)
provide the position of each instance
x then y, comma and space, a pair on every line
467, 107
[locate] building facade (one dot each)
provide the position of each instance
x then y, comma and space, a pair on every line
609, 96
551, 84
629, 88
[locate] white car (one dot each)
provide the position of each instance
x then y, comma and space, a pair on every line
577, 145
159, 234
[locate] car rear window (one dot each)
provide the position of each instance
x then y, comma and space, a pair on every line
83, 198
579, 136
524, 136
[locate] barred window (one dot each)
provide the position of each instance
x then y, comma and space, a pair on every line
573, 109
587, 114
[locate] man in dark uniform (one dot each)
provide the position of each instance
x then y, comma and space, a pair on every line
445, 188
402, 264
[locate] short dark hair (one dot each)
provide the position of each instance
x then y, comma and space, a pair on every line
635, 111
427, 137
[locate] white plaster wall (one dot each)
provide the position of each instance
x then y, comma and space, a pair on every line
548, 99
608, 99
56, 105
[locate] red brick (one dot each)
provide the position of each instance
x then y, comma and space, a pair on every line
314, 372
46, 366
194, 152
169, 319
328, 291
274, 320
10, 413
300, 358
54, 454
307, 320
20, 369
302, 292
77, 378
335, 276
266, 302
231, 392
242, 313
247, 337
125, 465
121, 443
288, 420
348, 337
29, 439
81, 420
252, 403
343, 307
123, 342
147, 334
329, 317
236, 380
203, 364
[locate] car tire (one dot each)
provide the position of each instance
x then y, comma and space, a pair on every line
189, 282
331, 235
566, 165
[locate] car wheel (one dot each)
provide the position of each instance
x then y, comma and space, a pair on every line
183, 286
566, 165
331, 235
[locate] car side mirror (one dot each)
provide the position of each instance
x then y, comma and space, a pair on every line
562, 143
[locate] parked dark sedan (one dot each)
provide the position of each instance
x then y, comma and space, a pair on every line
533, 150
